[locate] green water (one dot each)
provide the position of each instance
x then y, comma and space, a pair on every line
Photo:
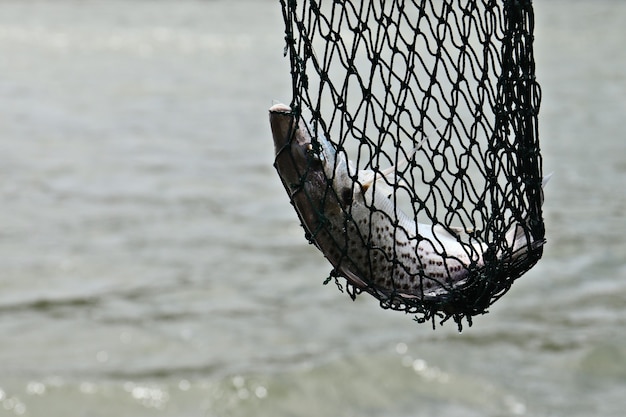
150, 264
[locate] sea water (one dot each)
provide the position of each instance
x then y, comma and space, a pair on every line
151, 264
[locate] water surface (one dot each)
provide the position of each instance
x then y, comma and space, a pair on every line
152, 265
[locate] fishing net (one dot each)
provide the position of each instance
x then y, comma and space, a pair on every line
449, 86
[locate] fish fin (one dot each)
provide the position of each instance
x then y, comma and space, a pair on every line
404, 162
516, 237
461, 232
367, 177
545, 179
516, 240
452, 231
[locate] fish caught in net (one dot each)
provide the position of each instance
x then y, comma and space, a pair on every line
410, 147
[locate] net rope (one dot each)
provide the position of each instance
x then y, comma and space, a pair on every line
449, 86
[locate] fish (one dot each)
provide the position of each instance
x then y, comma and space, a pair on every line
349, 216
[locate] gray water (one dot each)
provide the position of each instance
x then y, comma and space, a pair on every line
151, 265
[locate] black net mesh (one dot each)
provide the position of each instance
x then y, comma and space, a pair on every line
443, 91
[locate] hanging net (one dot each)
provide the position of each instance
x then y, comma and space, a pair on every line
410, 147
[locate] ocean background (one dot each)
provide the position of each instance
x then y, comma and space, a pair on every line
151, 265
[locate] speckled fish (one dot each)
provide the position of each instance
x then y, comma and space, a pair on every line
352, 222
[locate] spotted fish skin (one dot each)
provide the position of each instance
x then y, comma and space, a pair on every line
352, 222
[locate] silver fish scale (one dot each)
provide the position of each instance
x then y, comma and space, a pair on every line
393, 259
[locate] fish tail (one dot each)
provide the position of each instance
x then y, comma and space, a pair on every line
518, 242
517, 238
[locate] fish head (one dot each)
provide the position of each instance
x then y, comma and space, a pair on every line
318, 180
313, 173
296, 158
284, 124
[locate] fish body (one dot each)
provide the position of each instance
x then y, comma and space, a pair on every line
349, 216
